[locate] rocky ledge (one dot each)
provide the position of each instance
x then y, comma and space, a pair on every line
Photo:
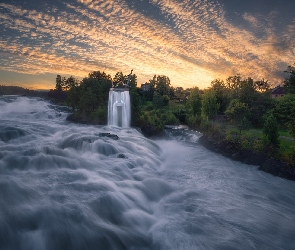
234, 152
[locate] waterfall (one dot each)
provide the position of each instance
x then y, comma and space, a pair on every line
119, 112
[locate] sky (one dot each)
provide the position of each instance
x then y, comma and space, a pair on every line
191, 41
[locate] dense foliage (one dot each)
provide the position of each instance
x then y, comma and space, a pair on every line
236, 102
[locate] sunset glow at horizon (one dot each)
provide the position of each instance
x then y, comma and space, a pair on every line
192, 41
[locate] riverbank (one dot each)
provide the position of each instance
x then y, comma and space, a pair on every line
234, 151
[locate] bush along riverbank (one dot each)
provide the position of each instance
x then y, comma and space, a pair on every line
247, 149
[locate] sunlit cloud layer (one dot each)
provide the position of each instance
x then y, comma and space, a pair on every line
191, 42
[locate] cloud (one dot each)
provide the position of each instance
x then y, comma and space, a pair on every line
191, 42
252, 20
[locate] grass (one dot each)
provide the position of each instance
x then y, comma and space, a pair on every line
286, 145
257, 131
282, 132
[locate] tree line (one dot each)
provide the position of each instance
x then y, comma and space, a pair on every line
243, 103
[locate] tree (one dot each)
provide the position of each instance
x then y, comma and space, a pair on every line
236, 111
261, 104
262, 85
91, 94
244, 124
162, 85
73, 97
233, 82
133, 81
222, 94
88, 101
158, 101
69, 83
209, 104
292, 129
270, 129
58, 85
121, 80
147, 95
135, 102
246, 93
195, 102
99, 86
99, 75
289, 82
284, 110
119, 77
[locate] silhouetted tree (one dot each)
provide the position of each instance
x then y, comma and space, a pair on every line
69, 83
289, 82
99, 75
58, 83
262, 85
233, 82
119, 77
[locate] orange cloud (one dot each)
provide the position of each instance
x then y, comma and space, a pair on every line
198, 45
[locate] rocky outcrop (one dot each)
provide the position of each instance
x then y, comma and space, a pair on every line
109, 135
235, 152
278, 168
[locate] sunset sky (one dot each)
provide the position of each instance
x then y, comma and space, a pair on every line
190, 41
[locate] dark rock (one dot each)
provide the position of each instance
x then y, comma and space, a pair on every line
103, 134
235, 152
152, 131
109, 135
278, 168
122, 156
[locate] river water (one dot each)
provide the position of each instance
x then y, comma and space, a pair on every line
70, 186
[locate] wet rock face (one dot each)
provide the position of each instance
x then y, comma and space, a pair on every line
122, 156
109, 135
235, 152
278, 168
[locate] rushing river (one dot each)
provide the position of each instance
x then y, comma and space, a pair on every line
70, 186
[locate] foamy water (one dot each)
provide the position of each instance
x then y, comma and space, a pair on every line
69, 186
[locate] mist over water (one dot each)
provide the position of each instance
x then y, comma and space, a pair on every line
69, 186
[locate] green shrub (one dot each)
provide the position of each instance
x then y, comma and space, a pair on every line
192, 121
233, 136
205, 125
248, 141
150, 123
258, 145
271, 130
169, 118
289, 156
149, 106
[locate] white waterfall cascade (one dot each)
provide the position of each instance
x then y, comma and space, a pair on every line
119, 111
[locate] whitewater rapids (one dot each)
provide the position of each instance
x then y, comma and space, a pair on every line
69, 186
